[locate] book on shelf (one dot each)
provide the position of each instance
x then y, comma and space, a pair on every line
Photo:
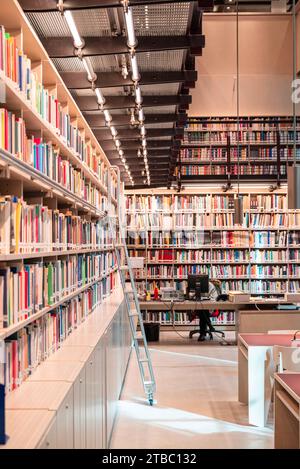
27, 289
18, 67
46, 158
33, 228
26, 349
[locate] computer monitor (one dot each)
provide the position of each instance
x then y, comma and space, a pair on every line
198, 283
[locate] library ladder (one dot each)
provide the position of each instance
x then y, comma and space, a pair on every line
139, 340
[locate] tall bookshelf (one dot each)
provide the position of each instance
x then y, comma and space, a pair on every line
56, 184
265, 145
193, 232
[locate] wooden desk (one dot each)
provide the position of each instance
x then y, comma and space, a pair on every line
255, 371
253, 316
287, 411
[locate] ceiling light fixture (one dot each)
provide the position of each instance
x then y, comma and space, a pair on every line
141, 116
113, 131
78, 41
107, 116
100, 97
138, 97
89, 69
131, 38
134, 69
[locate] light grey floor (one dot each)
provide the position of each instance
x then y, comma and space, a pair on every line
197, 404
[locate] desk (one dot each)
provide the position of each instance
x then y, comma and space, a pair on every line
253, 316
287, 411
255, 371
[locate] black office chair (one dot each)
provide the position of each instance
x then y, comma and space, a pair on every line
206, 326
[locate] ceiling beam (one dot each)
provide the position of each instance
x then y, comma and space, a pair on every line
98, 121
51, 5
135, 144
131, 134
58, 47
79, 81
123, 102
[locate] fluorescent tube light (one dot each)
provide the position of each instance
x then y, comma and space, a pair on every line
143, 131
121, 152
89, 69
134, 69
118, 143
78, 41
113, 131
141, 116
107, 116
100, 97
131, 39
138, 97
144, 143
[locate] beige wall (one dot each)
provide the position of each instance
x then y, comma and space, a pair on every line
265, 66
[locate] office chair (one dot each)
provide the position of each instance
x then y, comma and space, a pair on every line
207, 327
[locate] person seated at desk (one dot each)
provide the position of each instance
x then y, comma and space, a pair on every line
204, 316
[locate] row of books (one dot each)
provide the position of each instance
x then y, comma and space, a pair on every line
245, 122
46, 158
242, 136
18, 67
205, 203
25, 350
255, 287
244, 154
183, 318
274, 220
198, 221
192, 239
30, 228
268, 202
222, 170
265, 271
27, 289
223, 270
225, 256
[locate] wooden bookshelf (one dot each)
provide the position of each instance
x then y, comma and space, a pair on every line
264, 270
29, 184
210, 147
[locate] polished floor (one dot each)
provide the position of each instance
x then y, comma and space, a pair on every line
197, 404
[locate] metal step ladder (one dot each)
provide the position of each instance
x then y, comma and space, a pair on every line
139, 341
133, 310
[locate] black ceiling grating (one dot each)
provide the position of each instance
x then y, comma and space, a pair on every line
169, 36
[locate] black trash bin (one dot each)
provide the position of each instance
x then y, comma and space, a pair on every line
152, 331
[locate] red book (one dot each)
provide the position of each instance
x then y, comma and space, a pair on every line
26, 291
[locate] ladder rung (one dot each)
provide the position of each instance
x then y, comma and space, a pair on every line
143, 360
